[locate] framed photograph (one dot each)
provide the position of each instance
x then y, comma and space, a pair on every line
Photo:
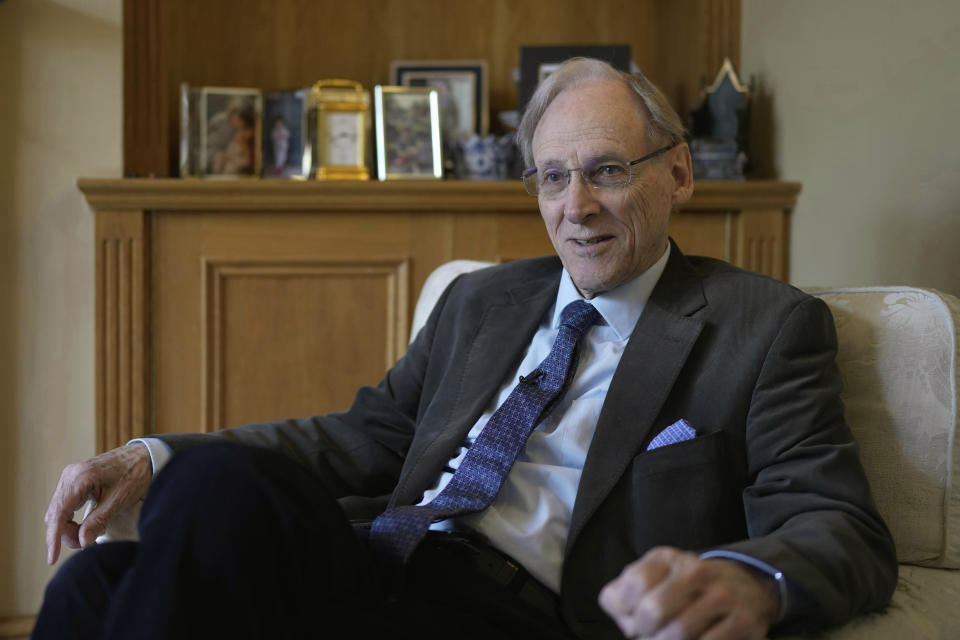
545, 69
407, 122
536, 63
462, 90
229, 132
189, 131
285, 145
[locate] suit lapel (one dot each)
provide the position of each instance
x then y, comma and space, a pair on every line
659, 346
500, 341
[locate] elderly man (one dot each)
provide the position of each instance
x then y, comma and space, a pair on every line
621, 441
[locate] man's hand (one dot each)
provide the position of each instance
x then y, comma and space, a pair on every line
670, 593
114, 480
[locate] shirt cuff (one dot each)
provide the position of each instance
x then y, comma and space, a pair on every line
160, 452
758, 565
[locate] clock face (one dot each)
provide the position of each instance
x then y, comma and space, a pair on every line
343, 136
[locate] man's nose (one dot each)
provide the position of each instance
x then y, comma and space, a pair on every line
580, 199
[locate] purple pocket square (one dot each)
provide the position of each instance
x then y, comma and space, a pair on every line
679, 431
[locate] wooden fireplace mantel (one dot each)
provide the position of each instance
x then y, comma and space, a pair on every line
213, 297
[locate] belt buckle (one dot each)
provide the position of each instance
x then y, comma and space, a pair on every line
502, 569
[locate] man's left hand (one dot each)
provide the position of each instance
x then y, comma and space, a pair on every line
670, 593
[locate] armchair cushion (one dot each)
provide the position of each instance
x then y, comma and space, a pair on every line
898, 359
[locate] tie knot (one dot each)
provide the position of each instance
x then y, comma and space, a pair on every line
579, 316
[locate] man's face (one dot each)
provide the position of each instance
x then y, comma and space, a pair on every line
605, 237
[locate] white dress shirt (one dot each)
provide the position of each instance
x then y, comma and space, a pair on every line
530, 517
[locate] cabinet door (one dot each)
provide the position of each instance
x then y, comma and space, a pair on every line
261, 317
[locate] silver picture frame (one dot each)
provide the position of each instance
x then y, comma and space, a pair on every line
407, 131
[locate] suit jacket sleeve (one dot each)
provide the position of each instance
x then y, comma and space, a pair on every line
807, 503
356, 453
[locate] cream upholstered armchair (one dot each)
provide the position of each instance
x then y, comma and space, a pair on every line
898, 357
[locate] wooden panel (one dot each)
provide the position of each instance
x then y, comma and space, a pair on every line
177, 333
474, 237
520, 238
283, 44
694, 38
215, 264
291, 43
431, 244
16, 627
122, 328
702, 233
500, 237
721, 35
268, 329
760, 241
149, 125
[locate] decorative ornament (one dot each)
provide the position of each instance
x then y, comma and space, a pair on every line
719, 128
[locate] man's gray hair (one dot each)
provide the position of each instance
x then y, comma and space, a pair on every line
664, 125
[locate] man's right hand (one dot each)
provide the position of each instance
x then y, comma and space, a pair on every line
114, 480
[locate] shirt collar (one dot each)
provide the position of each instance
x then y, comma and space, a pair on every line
620, 307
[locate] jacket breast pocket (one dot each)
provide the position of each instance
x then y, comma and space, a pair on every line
686, 495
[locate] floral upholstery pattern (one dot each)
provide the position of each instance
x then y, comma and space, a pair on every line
898, 357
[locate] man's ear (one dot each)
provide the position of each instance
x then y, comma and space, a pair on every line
681, 170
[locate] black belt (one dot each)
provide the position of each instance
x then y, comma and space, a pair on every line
487, 561
480, 558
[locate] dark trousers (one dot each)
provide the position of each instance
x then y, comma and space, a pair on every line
239, 542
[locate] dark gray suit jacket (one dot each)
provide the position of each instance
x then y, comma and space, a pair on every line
747, 360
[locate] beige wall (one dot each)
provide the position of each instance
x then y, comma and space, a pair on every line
863, 101
60, 118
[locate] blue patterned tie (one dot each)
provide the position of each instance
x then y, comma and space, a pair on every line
476, 482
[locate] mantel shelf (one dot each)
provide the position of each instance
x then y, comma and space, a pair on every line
194, 194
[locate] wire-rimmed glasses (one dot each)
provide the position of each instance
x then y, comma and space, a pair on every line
552, 181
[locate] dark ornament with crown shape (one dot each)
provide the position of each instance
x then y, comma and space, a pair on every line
719, 128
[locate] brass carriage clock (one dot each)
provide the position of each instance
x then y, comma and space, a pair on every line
341, 110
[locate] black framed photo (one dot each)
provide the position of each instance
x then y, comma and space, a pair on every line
407, 123
536, 63
286, 147
462, 88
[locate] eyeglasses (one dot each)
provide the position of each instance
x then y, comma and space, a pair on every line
551, 182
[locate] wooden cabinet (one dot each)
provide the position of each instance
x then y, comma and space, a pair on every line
225, 302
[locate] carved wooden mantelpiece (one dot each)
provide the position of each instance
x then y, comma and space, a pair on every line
223, 302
